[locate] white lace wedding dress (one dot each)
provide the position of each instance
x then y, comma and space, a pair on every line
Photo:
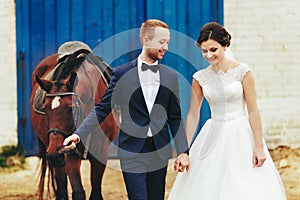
221, 156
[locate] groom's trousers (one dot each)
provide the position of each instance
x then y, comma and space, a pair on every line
145, 174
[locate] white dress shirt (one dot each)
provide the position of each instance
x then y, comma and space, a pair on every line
150, 82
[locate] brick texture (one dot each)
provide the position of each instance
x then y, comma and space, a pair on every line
8, 78
266, 35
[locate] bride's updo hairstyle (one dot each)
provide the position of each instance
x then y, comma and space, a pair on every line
214, 31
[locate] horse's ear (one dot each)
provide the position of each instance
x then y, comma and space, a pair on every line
71, 82
44, 84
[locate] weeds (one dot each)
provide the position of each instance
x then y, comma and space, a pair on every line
12, 157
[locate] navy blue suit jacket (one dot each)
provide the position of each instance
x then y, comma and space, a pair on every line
125, 93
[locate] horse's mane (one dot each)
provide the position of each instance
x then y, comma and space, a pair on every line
69, 64
72, 62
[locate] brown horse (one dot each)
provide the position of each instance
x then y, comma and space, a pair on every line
62, 96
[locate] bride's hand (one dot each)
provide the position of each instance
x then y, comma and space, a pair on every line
182, 162
259, 157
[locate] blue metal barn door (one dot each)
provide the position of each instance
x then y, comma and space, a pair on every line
42, 26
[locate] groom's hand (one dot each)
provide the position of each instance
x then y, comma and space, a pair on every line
71, 141
182, 162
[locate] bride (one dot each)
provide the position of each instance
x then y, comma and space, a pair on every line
229, 159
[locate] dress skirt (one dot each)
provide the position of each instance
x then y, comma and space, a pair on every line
221, 166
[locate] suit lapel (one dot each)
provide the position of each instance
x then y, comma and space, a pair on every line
135, 82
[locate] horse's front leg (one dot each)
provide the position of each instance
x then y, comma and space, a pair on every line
60, 176
97, 171
73, 171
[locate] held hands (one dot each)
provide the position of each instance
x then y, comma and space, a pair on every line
71, 141
259, 157
182, 162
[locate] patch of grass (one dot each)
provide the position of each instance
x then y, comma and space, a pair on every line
12, 157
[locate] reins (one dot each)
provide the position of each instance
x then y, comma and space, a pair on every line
77, 116
61, 94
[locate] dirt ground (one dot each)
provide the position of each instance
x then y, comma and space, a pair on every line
22, 185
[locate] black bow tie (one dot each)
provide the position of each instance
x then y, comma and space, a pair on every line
153, 68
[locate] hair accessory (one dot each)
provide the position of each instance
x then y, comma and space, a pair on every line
210, 33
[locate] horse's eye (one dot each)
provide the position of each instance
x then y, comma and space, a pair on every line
70, 110
45, 106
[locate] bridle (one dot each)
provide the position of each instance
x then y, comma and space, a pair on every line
77, 114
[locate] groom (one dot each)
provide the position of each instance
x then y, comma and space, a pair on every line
148, 98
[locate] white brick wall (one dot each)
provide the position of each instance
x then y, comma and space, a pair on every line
266, 35
8, 81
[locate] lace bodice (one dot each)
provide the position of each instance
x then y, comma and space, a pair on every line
223, 91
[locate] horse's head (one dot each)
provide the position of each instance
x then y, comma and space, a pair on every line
61, 105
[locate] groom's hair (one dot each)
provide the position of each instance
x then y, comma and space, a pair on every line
149, 26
